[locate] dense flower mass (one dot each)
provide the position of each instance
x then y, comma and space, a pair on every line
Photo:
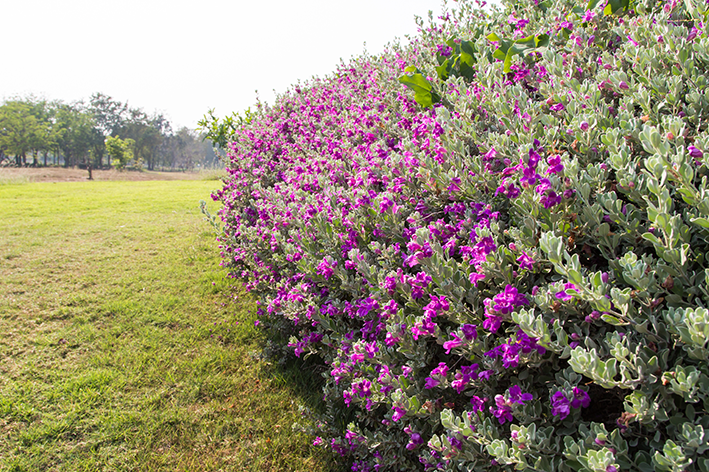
494, 239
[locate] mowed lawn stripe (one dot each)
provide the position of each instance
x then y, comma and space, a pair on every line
122, 345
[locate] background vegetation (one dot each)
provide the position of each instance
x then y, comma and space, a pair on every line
40, 132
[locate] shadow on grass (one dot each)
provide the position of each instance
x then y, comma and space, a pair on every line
305, 378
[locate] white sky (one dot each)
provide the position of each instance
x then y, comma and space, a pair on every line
182, 58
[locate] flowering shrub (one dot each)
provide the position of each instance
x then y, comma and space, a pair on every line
495, 239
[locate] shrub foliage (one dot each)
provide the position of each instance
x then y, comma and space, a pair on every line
494, 238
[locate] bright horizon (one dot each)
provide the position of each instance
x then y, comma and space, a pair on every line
181, 59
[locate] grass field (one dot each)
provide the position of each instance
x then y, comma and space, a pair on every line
122, 345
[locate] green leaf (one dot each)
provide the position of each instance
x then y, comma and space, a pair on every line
468, 47
422, 89
443, 70
652, 238
703, 222
614, 6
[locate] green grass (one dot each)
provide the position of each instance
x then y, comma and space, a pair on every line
14, 180
123, 345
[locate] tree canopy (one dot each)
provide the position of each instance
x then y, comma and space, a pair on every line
75, 134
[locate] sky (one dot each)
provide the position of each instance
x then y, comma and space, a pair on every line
182, 58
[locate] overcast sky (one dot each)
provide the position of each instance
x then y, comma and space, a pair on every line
182, 58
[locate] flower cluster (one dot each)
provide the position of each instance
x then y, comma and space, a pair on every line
478, 259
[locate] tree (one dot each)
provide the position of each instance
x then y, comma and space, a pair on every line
120, 150
20, 130
109, 116
75, 127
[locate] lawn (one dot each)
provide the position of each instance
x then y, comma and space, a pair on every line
123, 345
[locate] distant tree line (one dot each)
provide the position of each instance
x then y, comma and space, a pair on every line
39, 132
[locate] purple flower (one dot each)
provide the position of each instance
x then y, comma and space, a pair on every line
563, 295
475, 278
398, 413
584, 126
544, 185
492, 323
431, 383
508, 300
557, 107
529, 177
454, 343
560, 405
326, 267
516, 395
415, 440
503, 412
508, 189
478, 403
469, 331
555, 165
581, 399
488, 156
694, 152
550, 200
692, 33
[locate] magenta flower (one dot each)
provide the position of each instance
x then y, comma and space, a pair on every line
557, 107
503, 409
516, 395
581, 399
564, 295
431, 383
550, 200
327, 267
525, 261
478, 403
560, 405
503, 412
475, 278
555, 165
694, 152
508, 300
454, 343
469, 331
692, 33
492, 323
398, 413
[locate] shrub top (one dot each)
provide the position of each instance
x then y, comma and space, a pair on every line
494, 238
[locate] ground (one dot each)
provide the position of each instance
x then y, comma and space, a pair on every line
60, 174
